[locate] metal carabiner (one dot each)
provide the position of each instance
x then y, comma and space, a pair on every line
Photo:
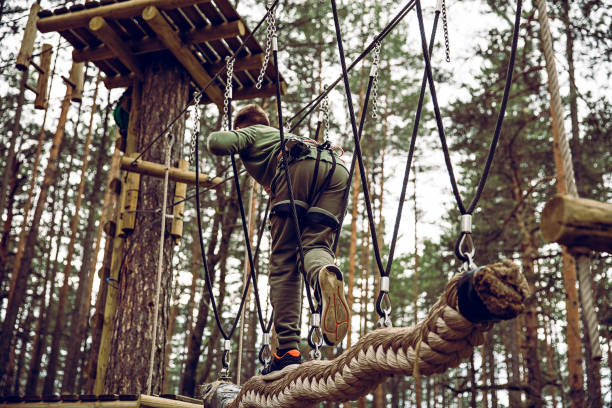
383, 298
265, 352
466, 239
315, 341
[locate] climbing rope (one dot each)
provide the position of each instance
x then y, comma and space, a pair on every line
160, 263
439, 342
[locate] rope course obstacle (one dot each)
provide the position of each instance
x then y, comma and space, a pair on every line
225, 63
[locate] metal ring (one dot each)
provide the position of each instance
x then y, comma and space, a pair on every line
383, 297
265, 354
311, 337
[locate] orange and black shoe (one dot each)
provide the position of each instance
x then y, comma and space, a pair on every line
335, 313
287, 358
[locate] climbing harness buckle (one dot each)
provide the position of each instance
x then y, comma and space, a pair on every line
315, 336
383, 304
265, 352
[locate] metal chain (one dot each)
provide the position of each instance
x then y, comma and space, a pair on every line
228, 93
196, 101
270, 33
375, 81
445, 26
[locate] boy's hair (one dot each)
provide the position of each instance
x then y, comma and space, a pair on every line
251, 115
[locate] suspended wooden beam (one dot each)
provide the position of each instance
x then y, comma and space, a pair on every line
119, 81
175, 174
182, 52
148, 45
108, 36
251, 93
43, 78
578, 222
180, 192
241, 64
77, 78
29, 35
123, 9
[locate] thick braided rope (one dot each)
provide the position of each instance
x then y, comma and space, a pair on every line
445, 337
582, 261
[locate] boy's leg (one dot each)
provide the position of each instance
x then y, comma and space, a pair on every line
285, 282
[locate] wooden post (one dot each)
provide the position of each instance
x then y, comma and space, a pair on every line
578, 222
77, 77
157, 170
180, 192
43, 78
29, 35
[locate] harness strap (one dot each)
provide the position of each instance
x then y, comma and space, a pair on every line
315, 176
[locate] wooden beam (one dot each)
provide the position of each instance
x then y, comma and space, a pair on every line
123, 9
119, 81
148, 401
108, 36
243, 64
29, 35
43, 78
148, 45
578, 222
77, 77
252, 93
175, 174
182, 52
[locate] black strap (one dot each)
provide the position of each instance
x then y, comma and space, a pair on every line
315, 177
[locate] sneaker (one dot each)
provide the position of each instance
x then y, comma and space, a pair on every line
335, 313
291, 357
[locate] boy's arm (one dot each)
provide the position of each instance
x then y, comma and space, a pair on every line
229, 142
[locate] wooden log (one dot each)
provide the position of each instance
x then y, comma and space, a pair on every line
130, 205
578, 222
251, 93
148, 401
77, 77
148, 45
119, 81
108, 36
182, 52
29, 36
118, 10
131, 142
175, 174
180, 192
43, 78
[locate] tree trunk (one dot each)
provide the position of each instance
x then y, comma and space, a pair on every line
25, 252
10, 156
164, 94
510, 338
169, 333
353, 249
24, 340
8, 222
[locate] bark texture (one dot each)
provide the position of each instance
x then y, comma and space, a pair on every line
165, 91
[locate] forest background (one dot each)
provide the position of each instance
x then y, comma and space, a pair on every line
523, 362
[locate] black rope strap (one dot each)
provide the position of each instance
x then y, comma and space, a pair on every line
440, 126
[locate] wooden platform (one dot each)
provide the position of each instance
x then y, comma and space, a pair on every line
116, 35
101, 401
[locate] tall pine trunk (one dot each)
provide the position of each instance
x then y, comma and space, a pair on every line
164, 94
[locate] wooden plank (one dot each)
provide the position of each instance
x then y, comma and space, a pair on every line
175, 174
241, 64
77, 77
149, 45
29, 35
182, 52
252, 93
119, 81
43, 78
80, 404
157, 402
117, 10
107, 35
